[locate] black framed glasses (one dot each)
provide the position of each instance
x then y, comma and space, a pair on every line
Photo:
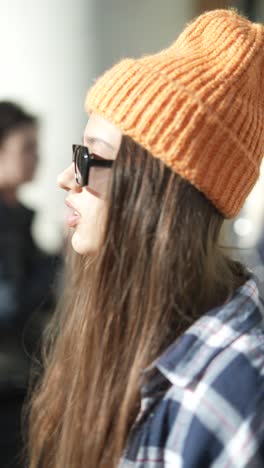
91, 170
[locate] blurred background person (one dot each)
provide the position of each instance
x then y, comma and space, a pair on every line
26, 273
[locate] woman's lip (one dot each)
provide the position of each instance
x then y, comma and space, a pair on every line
73, 220
68, 203
73, 216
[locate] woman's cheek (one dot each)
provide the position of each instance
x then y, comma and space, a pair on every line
89, 231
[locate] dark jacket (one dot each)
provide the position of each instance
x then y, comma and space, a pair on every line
26, 273
27, 292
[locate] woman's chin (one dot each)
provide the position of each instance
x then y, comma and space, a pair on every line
82, 244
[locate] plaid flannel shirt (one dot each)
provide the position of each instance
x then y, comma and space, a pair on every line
203, 399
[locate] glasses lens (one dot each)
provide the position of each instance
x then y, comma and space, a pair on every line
99, 180
81, 164
90, 172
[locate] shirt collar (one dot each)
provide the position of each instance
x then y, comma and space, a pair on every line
190, 354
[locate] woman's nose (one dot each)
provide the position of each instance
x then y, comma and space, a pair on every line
66, 179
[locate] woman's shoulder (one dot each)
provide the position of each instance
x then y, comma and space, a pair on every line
206, 403
222, 372
214, 419
214, 409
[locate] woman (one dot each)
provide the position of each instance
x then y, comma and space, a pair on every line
156, 356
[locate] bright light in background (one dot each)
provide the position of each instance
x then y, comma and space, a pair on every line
243, 227
254, 211
249, 225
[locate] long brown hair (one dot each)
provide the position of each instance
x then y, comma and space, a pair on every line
158, 269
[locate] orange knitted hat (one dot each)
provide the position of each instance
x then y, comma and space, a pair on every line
197, 105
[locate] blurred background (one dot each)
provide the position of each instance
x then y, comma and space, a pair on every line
51, 52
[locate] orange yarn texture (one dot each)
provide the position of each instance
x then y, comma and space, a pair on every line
197, 105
